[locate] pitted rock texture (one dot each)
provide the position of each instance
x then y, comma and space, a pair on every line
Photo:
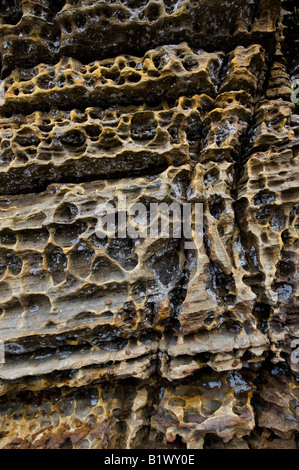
180, 341
44, 30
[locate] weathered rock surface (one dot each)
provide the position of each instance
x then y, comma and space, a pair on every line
179, 341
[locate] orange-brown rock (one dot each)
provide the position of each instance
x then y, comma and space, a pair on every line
183, 340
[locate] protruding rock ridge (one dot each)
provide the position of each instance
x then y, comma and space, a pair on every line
35, 31
164, 73
146, 340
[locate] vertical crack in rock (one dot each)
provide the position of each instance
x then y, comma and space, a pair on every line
172, 323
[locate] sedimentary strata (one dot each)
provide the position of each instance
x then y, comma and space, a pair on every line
132, 339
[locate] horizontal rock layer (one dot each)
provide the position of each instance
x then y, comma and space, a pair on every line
87, 29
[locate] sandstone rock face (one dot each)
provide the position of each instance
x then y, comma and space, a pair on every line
140, 341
